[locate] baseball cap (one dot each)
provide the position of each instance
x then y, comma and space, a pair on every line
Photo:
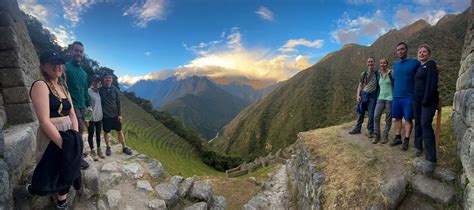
51, 56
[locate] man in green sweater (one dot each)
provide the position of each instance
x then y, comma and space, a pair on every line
77, 86
112, 120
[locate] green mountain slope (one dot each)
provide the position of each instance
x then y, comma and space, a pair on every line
323, 95
146, 135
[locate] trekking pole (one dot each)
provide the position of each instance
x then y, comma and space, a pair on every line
438, 126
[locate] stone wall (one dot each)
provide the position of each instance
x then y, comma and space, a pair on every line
463, 116
305, 178
18, 69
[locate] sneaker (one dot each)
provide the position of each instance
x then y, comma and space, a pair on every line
395, 142
94, 155
354, 132
371, 135
61, 204
21, 193
376, 139
127, 151
418, 152
108, 151
84, 164
428, 168
100, 154
404, 146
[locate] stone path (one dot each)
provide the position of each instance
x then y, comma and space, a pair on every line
274, 194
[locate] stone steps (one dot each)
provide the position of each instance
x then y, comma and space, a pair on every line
440, 173
434, 189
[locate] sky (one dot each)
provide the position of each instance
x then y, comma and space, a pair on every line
257, 39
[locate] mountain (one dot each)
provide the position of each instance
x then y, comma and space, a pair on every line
203, 105
323, 95
157, 91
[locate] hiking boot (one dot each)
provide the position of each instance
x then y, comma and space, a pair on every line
84, 164
94, 155
108, 151
395, 142
371, 135
376, 139
404, 146
418, 152
428, 168
127, 151
100, 154
21, 193
384, 140
354, 132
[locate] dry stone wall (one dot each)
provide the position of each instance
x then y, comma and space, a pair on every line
463, 116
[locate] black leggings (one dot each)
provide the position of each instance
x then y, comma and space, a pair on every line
424, 133
90, 129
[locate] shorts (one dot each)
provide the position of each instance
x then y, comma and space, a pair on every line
402, 107
111, 123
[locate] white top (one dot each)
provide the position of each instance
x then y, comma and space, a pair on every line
96, 105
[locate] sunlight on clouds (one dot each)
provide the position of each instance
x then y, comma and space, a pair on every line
293, 43
265, 13
405, 17
33, 8
74, 8
149, 11
63, 36
352, 30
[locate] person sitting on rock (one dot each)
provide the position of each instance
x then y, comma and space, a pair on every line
366, 97
95, 121
111, 110
425, 103
54, 109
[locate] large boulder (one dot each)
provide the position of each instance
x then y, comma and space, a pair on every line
157, 170
185, 186
168, 192
133, 170
90, 181
202, 190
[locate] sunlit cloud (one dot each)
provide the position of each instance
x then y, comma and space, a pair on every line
64, 36
404, 17
265, 13
352, 30
146, 12
290, 45
33, 8
74, 8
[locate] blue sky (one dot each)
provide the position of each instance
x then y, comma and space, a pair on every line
257, 39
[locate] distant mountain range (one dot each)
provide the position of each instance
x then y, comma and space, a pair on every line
199, 102
323, 95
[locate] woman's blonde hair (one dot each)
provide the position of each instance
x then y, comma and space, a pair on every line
427, 47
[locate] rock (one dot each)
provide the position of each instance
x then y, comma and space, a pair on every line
157, 204
42, 202
143, 157
133, 170
127, 207
394, 191
197, 206
434, 189
202, 190
176, 180
113, 178
90, 181
113, 198
252, 180
185, 186
110, 167
19, 138
144, 185
468, 197
168, 192
156, 170
441, 173
101, 205
5, 191
218, 203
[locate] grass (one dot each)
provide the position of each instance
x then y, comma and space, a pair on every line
238, 191
447, 152
146, 135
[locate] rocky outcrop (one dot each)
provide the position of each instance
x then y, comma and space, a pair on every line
463, 116
274, 194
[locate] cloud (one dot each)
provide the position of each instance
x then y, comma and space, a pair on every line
63, 35
74, 8
149, 11
147, 53
293, 43
404, 17
33, 8
455, 4
234, 40
265, 13
352, 30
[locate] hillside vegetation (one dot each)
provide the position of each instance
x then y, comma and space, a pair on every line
323, 95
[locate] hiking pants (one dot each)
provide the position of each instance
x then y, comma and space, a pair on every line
370, 109
424, 133
90, 138
383, 106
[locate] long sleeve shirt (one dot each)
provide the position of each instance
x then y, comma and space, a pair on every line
426, 83
110, 99
96, 105
77, 85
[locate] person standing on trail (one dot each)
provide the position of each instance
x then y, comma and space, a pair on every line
384, 102
402, 103
426, 101
366, 97
95, 121
77, 84
111, 109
